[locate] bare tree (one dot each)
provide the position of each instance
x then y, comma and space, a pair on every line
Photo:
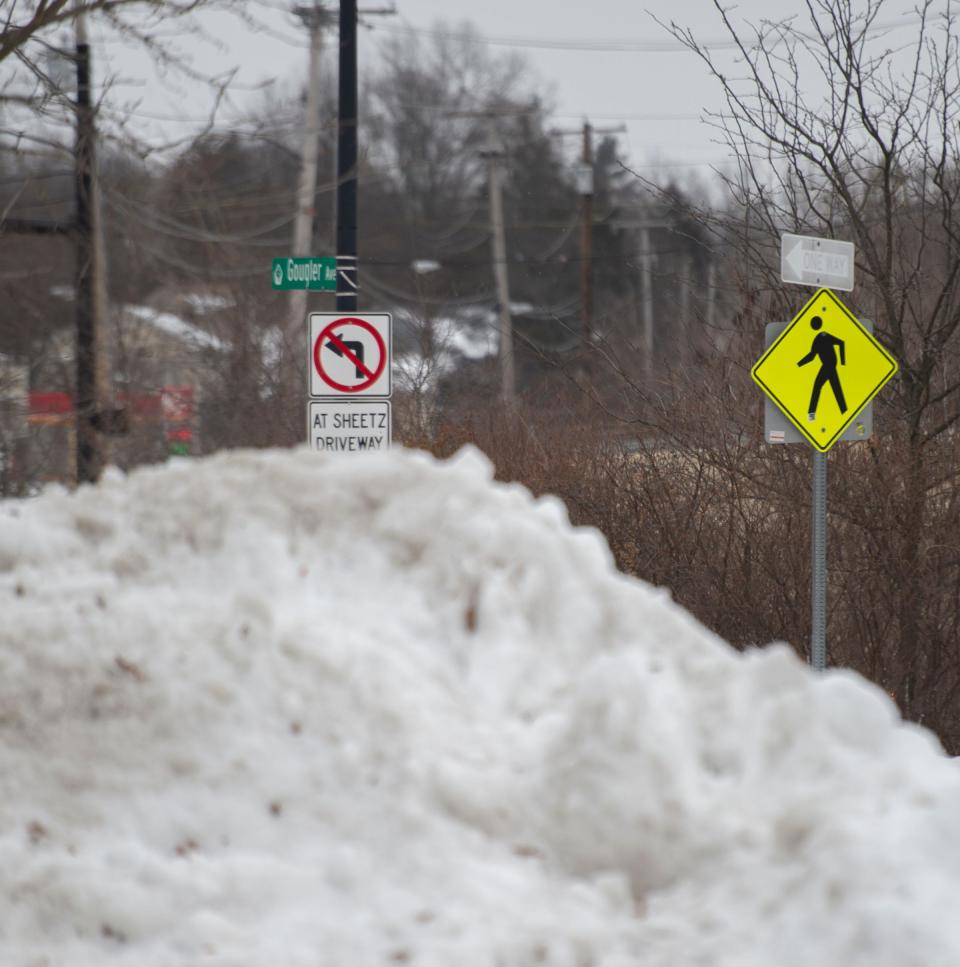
837, 131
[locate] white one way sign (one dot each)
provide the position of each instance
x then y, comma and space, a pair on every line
821, 262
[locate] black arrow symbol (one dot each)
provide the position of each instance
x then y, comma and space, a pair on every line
355, 347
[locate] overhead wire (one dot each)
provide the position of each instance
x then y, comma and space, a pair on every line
608, 45
369, 280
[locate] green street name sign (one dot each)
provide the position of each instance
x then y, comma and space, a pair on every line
305, 273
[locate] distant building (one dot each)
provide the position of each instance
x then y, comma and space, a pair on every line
160, 366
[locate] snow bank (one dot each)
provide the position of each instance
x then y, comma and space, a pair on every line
289, 710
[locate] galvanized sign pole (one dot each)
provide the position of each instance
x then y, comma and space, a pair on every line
818, 627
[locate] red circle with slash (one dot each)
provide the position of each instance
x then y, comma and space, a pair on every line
370, 375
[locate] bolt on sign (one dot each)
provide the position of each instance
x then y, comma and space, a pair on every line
823, 370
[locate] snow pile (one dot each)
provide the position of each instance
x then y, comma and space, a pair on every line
289, 710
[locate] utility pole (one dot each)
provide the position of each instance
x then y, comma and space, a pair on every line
711, 292
494, 155
647, 258
585, 187
90, 360
686, 273
586, 241
314, 17
646, 268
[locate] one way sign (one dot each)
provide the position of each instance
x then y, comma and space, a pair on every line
821, 262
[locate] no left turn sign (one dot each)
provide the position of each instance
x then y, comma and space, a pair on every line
350, 355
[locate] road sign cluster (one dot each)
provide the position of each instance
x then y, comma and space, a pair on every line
820, 372
350, 381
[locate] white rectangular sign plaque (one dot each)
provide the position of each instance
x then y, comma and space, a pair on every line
349, 426
821, 262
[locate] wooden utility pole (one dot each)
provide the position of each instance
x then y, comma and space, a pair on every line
315, 17
686, 276
585, 188
646, 258
586, 241
89, 291
494, 155
646, 268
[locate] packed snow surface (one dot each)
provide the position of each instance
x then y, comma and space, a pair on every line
282, 709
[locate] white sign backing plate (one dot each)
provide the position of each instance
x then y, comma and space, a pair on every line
821, 262
349, 426
350, 354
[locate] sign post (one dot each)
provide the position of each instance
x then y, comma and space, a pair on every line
821, 371
818, 622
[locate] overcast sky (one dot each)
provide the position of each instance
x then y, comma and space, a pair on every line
659, 94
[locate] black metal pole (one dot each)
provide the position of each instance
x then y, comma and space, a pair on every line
347, 161
87, 454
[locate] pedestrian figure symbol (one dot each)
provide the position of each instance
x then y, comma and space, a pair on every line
825, 348
846, 359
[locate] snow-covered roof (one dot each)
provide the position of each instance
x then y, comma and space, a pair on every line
177, 327
204, 302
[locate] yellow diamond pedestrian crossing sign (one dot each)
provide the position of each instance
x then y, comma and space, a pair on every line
823, 369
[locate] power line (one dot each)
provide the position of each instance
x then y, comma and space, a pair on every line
612, 45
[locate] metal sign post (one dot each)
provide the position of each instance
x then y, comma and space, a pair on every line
818, 628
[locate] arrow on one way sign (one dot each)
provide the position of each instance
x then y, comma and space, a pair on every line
820, 262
